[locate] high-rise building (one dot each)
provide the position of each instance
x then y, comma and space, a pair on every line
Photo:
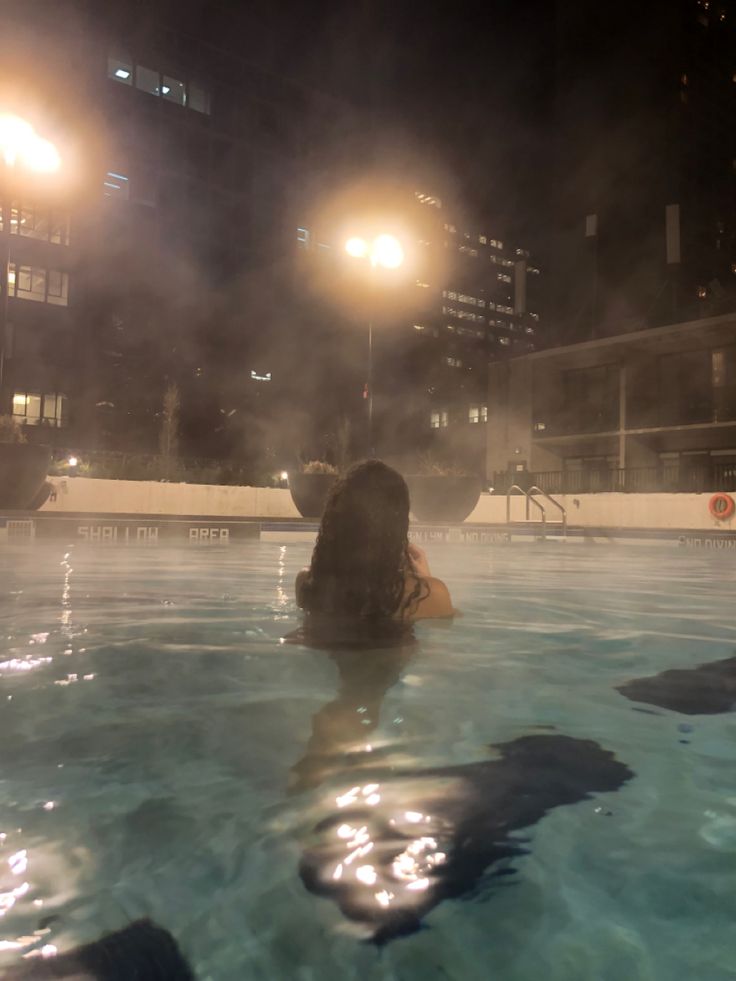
642, 175
163, 255
463, 298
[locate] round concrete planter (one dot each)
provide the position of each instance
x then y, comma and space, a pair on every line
23, 469
309, 492
435, 498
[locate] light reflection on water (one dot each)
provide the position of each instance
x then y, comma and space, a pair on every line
172, 745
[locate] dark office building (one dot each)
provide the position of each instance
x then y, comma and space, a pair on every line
178, 246
643, 201
162, 251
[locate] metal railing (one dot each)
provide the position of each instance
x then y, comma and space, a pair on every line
635, 480
538, 490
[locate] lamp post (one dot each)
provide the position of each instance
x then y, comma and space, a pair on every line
22, 150
384, 251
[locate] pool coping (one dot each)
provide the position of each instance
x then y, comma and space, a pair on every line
208, 530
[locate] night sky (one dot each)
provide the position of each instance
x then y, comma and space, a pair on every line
467, 83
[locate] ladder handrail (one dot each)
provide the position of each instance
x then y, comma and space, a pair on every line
528, 499
538, 490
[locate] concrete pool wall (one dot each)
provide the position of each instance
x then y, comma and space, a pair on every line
93, 496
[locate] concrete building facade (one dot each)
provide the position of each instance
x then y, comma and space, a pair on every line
652, 410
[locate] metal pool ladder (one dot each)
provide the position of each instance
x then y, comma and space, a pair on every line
531, 498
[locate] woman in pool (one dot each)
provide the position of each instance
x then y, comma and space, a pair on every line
363, 565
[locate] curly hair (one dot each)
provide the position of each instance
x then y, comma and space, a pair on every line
361, 558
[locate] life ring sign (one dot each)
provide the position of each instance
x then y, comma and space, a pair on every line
721, 506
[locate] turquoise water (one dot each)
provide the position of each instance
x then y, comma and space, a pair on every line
151, 720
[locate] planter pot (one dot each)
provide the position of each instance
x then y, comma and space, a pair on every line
23, 469
443, 498
309, 492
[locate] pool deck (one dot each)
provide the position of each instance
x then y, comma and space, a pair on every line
20, 527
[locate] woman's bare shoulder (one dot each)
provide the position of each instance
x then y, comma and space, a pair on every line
434, 600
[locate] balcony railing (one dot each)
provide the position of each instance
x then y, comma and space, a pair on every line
636, 480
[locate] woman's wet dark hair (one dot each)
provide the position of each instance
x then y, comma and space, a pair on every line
361, 556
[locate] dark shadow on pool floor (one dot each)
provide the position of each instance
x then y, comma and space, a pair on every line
393, 849
397, 840
708, 689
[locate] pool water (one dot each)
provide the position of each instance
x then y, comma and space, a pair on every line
163, 754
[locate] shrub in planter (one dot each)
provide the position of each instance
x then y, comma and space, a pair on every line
311, 486
440, 492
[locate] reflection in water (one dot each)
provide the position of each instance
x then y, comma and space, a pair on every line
368, 664
395, 844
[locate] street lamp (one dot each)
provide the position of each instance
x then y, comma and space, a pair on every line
20, 145
21, 149
384, 251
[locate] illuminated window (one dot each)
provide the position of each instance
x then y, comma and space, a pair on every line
476, 318
438, 419
423, 286
483, 240
34, 409
120, 70
302, 238
147, 80
174, 91
454, 362
59, 228
38, 284
505, 341
29, 282
478, 413
262, 377
468, 251
57, 288
116, 185
504, 278
29, 221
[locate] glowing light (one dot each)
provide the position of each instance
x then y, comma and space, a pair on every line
17, 664
384, 897
72, 461
19, 862
284, 475
373, 799
19, 143
122, 73
413, 816
345, 831
344, 799
387, 252
337, 874
357, 248
366, 874
418, 885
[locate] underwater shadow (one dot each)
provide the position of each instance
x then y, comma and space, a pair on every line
708, 689
397, 840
